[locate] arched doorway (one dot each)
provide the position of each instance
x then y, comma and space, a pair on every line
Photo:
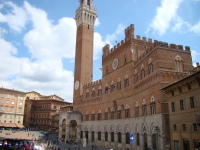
64, 129
86, 135
145, 141
72, 129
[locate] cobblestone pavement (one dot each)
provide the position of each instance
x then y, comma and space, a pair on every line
79, 146
67, 146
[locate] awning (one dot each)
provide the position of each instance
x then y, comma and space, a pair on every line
12, 125
19, 125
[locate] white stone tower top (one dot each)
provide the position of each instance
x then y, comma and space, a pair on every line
86, 13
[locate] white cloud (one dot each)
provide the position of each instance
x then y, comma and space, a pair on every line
167, 17
98, 44
113, 37
164, 15
15, 18
180, 26
9, 63
50, 41
195, 28
2, 32
97, 22
45, 77
47, 44
195, 56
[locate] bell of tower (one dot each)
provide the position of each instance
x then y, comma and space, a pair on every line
83, 70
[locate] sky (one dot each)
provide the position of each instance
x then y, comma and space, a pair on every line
37, 37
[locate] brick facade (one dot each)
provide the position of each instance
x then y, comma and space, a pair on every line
128, 98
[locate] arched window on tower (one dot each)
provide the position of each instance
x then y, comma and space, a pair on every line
119, 84
119, 113
92, 137
178, 64
144, 108
126, 82
153, 105
106, 114
99, 136
127, 138
106, 136
99, 115
150, 66
106, 70
88, 2
112, 137
125, 59
112, 87
127, 112
93, 92
119, 136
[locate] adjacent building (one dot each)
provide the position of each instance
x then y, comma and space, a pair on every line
127, 100
56, 118
11, 108
39, 110
184, 112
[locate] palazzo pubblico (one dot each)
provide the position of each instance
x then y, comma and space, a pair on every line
128, 99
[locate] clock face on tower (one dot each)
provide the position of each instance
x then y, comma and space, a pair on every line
115, 64
76, 85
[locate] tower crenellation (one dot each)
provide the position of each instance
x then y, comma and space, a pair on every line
138, 37
187, 48
149, 40
129, 32
144, 42
86, 13
144, 39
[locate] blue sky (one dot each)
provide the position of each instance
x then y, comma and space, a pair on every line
37, 37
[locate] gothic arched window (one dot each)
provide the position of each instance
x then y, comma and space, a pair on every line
178, 64
88, 2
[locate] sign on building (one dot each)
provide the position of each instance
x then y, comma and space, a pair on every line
131, 138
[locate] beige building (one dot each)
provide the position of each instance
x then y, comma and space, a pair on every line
184, 112
127, 101
11, 108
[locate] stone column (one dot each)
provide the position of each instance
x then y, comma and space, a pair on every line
67, 133
123, 139
95, 137
78, 133
89, 137
109, 137
102, 138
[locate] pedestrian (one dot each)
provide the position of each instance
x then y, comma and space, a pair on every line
92, 146
75, 146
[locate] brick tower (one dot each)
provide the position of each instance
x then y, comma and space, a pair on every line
85, 19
